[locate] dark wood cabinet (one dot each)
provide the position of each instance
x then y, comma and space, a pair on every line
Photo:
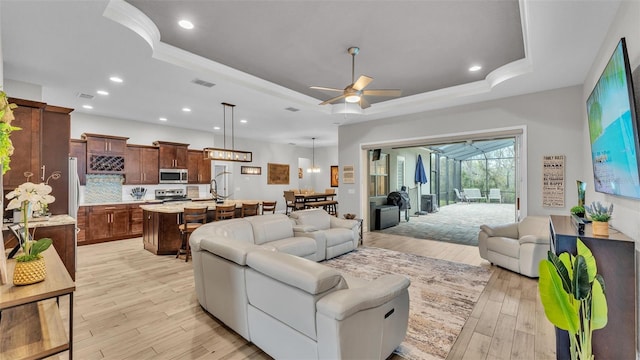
199, 168
172, 155
63, 238
135, 213
141, 164
161, 234
108, 222
81, 224
105, 153
615, 257
41, 149
78, 149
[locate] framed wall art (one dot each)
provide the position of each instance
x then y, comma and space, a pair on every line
278, 174
251, 170
335, 175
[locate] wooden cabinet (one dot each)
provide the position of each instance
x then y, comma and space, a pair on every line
105, 153
199, 168
81, 224
172, 155
78, 150
141, 164
41, 149
161, 234
615, 257
135, 213
108, 222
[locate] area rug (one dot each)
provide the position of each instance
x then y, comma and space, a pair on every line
454, 223
442, 295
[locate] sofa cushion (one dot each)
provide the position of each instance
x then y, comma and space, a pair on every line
534, 225
317, 218
338, 236
505, 246
237, 229
298, 246
301, 273
270, 227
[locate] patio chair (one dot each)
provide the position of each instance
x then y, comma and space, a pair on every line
494, 194
460, 196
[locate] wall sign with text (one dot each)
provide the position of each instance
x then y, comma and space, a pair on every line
553, 181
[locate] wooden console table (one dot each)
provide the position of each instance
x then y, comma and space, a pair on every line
615, 257
31, 315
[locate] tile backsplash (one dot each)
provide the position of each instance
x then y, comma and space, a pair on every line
103, 188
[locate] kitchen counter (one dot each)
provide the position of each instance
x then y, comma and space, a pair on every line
54, 220
125, 202
178, 206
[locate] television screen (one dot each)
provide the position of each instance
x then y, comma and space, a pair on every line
376, 154
613, 129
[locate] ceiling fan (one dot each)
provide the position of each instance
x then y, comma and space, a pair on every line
355, 92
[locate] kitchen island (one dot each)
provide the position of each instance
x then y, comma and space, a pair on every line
160, 232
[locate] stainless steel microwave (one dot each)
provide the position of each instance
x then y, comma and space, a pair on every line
174, 176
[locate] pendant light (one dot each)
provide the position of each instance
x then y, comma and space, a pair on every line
224, 153
313, 168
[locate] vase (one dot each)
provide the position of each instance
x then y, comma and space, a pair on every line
29, 272
600, 228
582, 187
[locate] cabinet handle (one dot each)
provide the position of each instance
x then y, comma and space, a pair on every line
43, 167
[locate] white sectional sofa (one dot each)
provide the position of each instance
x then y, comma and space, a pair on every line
341, 235
290, 306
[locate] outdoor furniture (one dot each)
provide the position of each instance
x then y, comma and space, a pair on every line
473, 194
460, 196
494, 194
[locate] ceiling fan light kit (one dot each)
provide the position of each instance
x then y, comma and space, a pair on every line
225, 154
355, 92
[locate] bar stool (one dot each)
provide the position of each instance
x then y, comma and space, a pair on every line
223, 212
269, 207
192, 218
249, 209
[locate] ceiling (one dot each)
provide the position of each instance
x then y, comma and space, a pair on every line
263, 55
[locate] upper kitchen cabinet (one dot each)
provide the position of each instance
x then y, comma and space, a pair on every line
41, 149
199, 168
172, 155
78, 150
141, 166
105, 153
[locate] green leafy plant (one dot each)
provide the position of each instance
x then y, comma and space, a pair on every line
599, 212
573, 296
29, 196
578, 210
6, 117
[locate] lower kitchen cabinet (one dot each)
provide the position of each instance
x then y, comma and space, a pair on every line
100, 223
161, 234
135, 212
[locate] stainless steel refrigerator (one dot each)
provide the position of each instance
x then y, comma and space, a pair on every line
74, 199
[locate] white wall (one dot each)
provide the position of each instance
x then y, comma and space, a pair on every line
554, 124
23, 90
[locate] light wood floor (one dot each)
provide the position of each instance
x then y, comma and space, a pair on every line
131, 304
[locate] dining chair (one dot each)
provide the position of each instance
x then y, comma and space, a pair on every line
292, 204
223, 212
249, 209
192, 218
269, 207
330, 191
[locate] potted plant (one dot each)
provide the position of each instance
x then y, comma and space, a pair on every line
6, 117
573, 296
30, 266
600, 215
578, 211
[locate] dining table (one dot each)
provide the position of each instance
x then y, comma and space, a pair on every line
311, 200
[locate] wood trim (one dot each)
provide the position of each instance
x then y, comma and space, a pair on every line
159, 142
58, 109
85, 135
27, 103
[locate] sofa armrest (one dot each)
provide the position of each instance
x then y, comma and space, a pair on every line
341, 304
506, 230
533, 239
230, 249
342, 223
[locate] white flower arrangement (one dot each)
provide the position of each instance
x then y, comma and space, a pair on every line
36, 196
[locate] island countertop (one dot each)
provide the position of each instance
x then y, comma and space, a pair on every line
178, 206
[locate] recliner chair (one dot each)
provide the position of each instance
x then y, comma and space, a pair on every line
518, 246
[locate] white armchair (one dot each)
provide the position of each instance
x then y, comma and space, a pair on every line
342, 235
518, 246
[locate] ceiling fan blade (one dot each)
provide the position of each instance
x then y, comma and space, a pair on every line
361, 83
385, 92
334, 99
325, 88
364, 103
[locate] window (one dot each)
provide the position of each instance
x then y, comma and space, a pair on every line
400, 172
378, 175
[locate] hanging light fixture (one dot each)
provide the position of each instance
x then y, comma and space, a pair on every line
224, 153
313, 168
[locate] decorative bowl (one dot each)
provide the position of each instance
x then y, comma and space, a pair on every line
349, 216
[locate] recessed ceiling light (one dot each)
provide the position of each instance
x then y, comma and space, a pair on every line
475, 68
216, 128
163, 119
87, 106
185, 24
116, 79
186, 109
243, 121
102, 92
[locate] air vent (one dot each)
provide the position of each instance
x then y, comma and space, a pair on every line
85, 96
203, 83
292, 109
